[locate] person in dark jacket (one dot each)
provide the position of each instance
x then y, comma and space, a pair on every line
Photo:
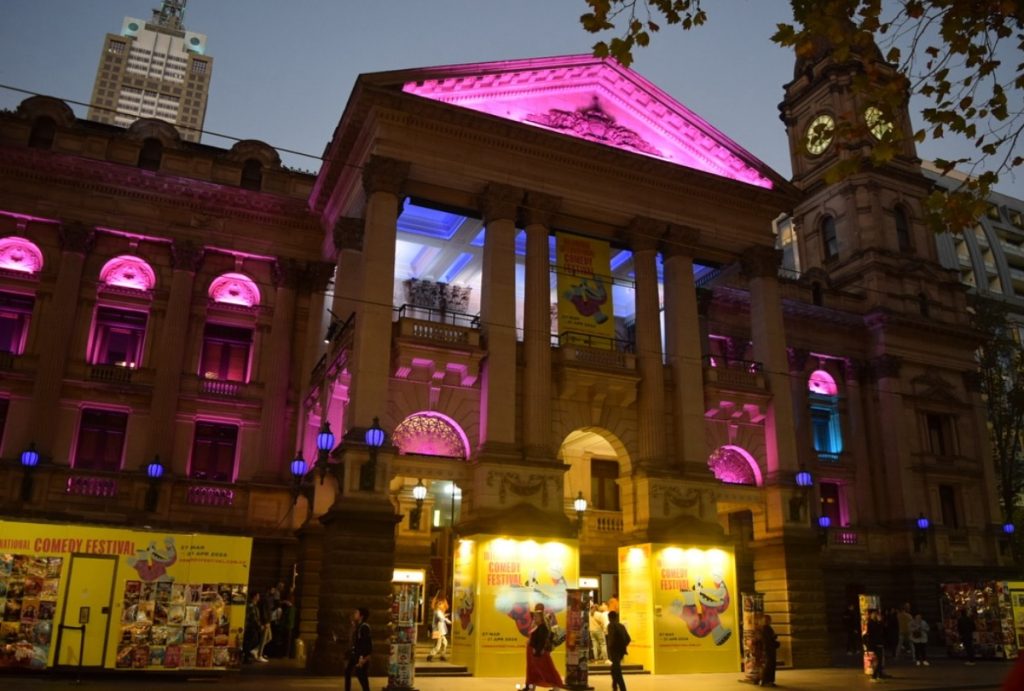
770, 641
362, 647
874, 639
965, 628
253, 627
618, 643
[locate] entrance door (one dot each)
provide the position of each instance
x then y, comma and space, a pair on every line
88, 601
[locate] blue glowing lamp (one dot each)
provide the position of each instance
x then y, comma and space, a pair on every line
824, 522
375, 435
30, 457
804, 479
298, 466
155, 469
923, 523
1009, 528
325, 440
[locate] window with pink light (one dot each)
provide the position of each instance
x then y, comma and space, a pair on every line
227, 352
235, 289
100, 443
15, 315
117, 337
213, 451
21, 255
821, 382
128, 271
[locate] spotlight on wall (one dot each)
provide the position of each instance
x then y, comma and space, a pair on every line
580, 504
154, 471
921, 534
29, 461
419, 493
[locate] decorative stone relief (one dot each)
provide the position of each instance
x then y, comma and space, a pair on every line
510, 481
593, 124
674, 497
382, 174
437, 295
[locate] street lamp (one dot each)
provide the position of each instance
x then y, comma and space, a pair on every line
921, 534
298, 468
824, 523
374, 439
324, 446
798, 502
580, 504
29, 461
1008, 529
419, 493
154, 471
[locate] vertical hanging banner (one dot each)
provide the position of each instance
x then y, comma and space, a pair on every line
867, 603
585, 291
753, 650
401, 665
577, 639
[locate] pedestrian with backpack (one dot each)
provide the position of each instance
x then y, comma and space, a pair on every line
618, 644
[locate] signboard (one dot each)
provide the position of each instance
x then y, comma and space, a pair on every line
694, 618
402, 660
753, 649
577, 639
585, 291
867, 604
156, 600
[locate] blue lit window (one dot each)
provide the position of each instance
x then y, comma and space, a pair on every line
825, 428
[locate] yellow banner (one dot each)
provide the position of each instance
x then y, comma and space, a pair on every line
125, 599
585, 310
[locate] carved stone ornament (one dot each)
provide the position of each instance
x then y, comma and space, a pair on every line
644, 234
348, 234
317, 276
76, 237
676, 497
187, 255
287, 272
853, 370
539, 209
510, 482
500, 202
761, 262
593, 124
680, 240
382, 174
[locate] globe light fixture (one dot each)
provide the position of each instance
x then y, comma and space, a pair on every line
374, 438
154, 471
580, 504
324, 446
921, 534
298, 468
923, 523
824, 522
1009, 528
419, 493
804, 479
29, 461
30, 457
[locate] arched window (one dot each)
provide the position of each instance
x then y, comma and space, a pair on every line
128, 271
902, 229
431, 434
252, 175
734, 466
235, 289
829, 239
151, 153
821, 383
826, 431
20, 254
44, 129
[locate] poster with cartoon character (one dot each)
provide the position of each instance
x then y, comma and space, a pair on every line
584, 290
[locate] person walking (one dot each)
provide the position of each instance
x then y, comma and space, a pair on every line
253, 628
359, 654
540, 668
770, 643
875, 642
598, 626
904, 644
965, 628
266, 634
919, 638
618, 648
440, 631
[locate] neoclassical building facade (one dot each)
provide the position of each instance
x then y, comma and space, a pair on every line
216, 309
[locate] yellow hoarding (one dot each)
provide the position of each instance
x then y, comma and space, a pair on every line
678, 604
117, 598
498, 582
584, 291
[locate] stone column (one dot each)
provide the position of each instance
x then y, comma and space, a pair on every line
861, 499
891, 477
644, 235
537, 214
186, 257
498, 321
371, 346
767, 330
55, 332
683, 346
796, 359
348, 242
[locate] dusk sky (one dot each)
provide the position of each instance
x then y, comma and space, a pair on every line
284, 70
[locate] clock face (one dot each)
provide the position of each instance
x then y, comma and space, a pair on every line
819, 134
876, 122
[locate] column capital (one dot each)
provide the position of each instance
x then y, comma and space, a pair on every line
186, 255
886, 366
760, 262
797, 358
644, 233
76, 237
680, 240
317, 275
539, 209
287, 272
853, 369
500, 202
382, 174
348, 234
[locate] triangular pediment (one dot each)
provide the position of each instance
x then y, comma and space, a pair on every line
592, 99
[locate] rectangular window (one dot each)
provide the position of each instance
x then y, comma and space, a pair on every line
604, 490
829, 493
941, 440
827, 434
225, 353
117, 337
947, 500
15, 313
100, 440
213, 452
198, 67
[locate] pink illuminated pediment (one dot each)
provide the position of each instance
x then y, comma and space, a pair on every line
595, 100
20, 254
432, 434
235, 289
128, 271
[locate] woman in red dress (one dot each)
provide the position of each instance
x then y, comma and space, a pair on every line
540, 668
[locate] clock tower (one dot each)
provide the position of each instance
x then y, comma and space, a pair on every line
857, 222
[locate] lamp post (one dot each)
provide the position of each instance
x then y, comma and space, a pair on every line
297, 468
324, 446
419, 493
824, 523
154, 471
580, 504
804, 481
921, 534
374, 439
29, 461
1008, 529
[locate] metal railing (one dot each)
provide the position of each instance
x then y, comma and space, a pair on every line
568, 338
111, 374
438, 316
91, 486
221, 387
749, 366
207, 495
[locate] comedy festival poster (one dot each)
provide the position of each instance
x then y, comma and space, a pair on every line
172, 601
510, 578
585, 290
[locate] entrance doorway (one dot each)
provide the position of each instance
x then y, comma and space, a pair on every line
85, 619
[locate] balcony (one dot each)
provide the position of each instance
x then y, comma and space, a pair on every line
437, 326
92, 486
221, 387
599, 352
111, 374
728, 374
